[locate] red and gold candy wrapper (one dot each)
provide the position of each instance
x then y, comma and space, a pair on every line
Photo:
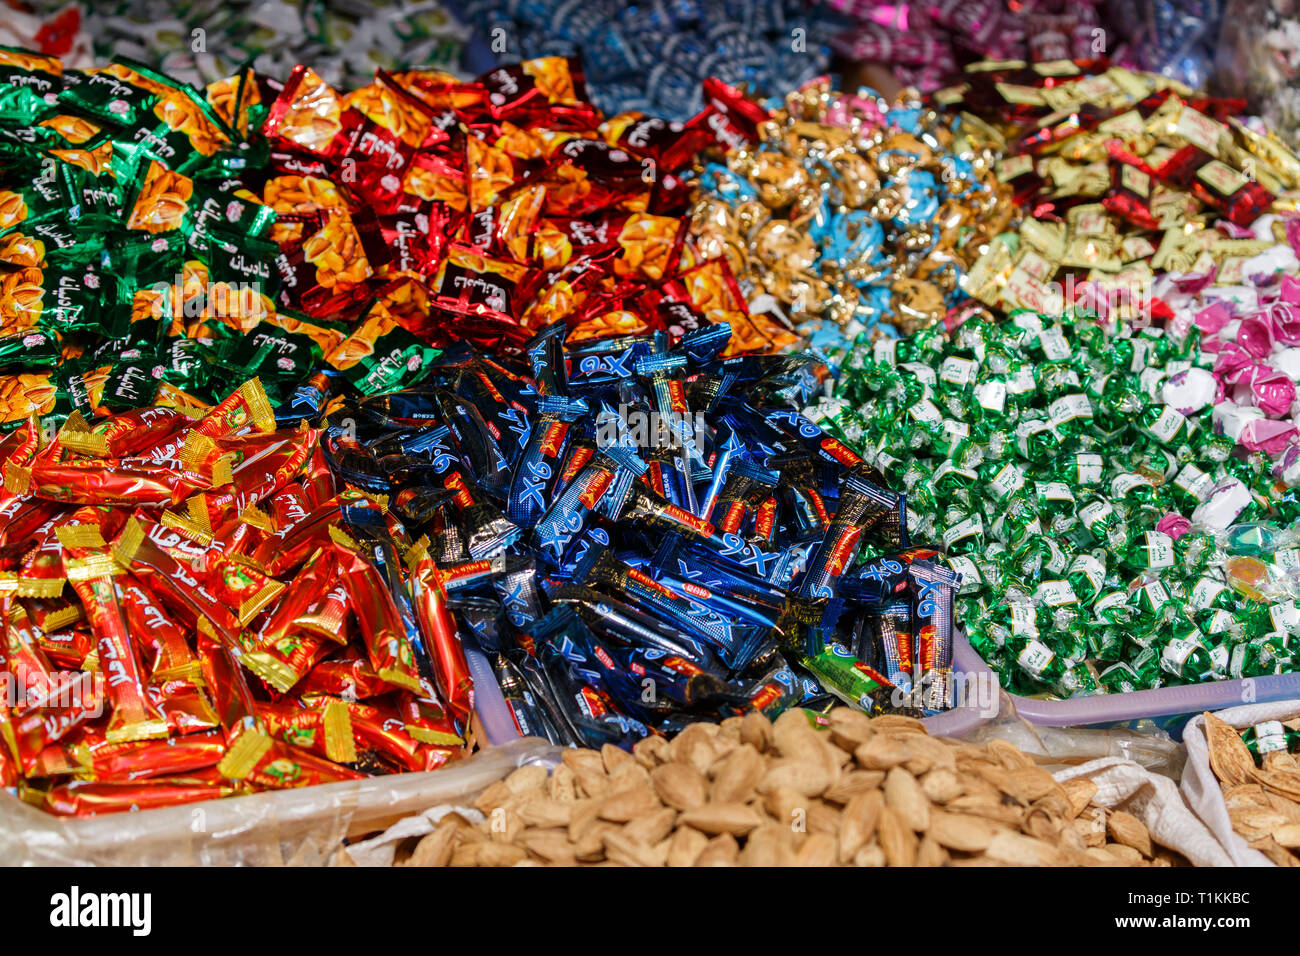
87, 798
284, 661
451, 669
288, 506
41, 573
259, 476
349, 676
317, 480
317, 598
244, 410
238, 584
1239, 199
262, 761
288, 547
31, 735
306, 626
141, 760
380, 624
324, 727
30, 670
134, 717
162, 639
122, 435
10, 771
184, 703
9, 768
307, 114
129, 482
175, 581
69, 649
538, 87
381, 729
427, 721
235, 706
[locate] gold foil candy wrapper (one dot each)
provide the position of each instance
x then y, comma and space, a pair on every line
781, 244
916, 304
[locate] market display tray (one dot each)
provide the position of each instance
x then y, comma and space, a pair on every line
1169, 708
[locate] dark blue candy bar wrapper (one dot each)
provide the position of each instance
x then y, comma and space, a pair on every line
613, 603
933, 590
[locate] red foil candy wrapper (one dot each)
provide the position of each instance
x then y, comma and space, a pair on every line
215, 640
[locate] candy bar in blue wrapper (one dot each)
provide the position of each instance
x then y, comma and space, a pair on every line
529, 716
568, 514
538, 468
933, 588
862, 507
780, 576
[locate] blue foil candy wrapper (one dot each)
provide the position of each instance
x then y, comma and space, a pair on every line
857, 217
651, 57
612, 605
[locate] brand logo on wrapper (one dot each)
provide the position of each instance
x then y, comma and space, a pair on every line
75, 909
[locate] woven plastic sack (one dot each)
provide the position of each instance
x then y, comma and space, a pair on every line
1201, 787
1155, 800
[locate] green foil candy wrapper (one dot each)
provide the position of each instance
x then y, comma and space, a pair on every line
1107, 542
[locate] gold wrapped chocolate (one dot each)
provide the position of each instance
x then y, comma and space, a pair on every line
916, 304
856, 222
780, 244
1280, 160
779, 179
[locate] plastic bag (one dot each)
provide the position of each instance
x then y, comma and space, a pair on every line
289, 827
1146, 745
1172, 37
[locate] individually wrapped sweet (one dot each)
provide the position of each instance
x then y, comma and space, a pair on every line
1096, 527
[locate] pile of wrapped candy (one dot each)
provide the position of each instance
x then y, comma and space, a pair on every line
925, 43
1109, 470
1123, 176
1152, 205
1079, 486
234, 603
854, 217
192, 611
202, 41
653, 57
161, 245
642, 534
307, 391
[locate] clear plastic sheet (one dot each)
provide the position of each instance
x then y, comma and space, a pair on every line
1145, 745
290, 827
1154, 800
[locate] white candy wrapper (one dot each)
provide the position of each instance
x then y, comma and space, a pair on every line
1221, 506
1231, 419
1189, 390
